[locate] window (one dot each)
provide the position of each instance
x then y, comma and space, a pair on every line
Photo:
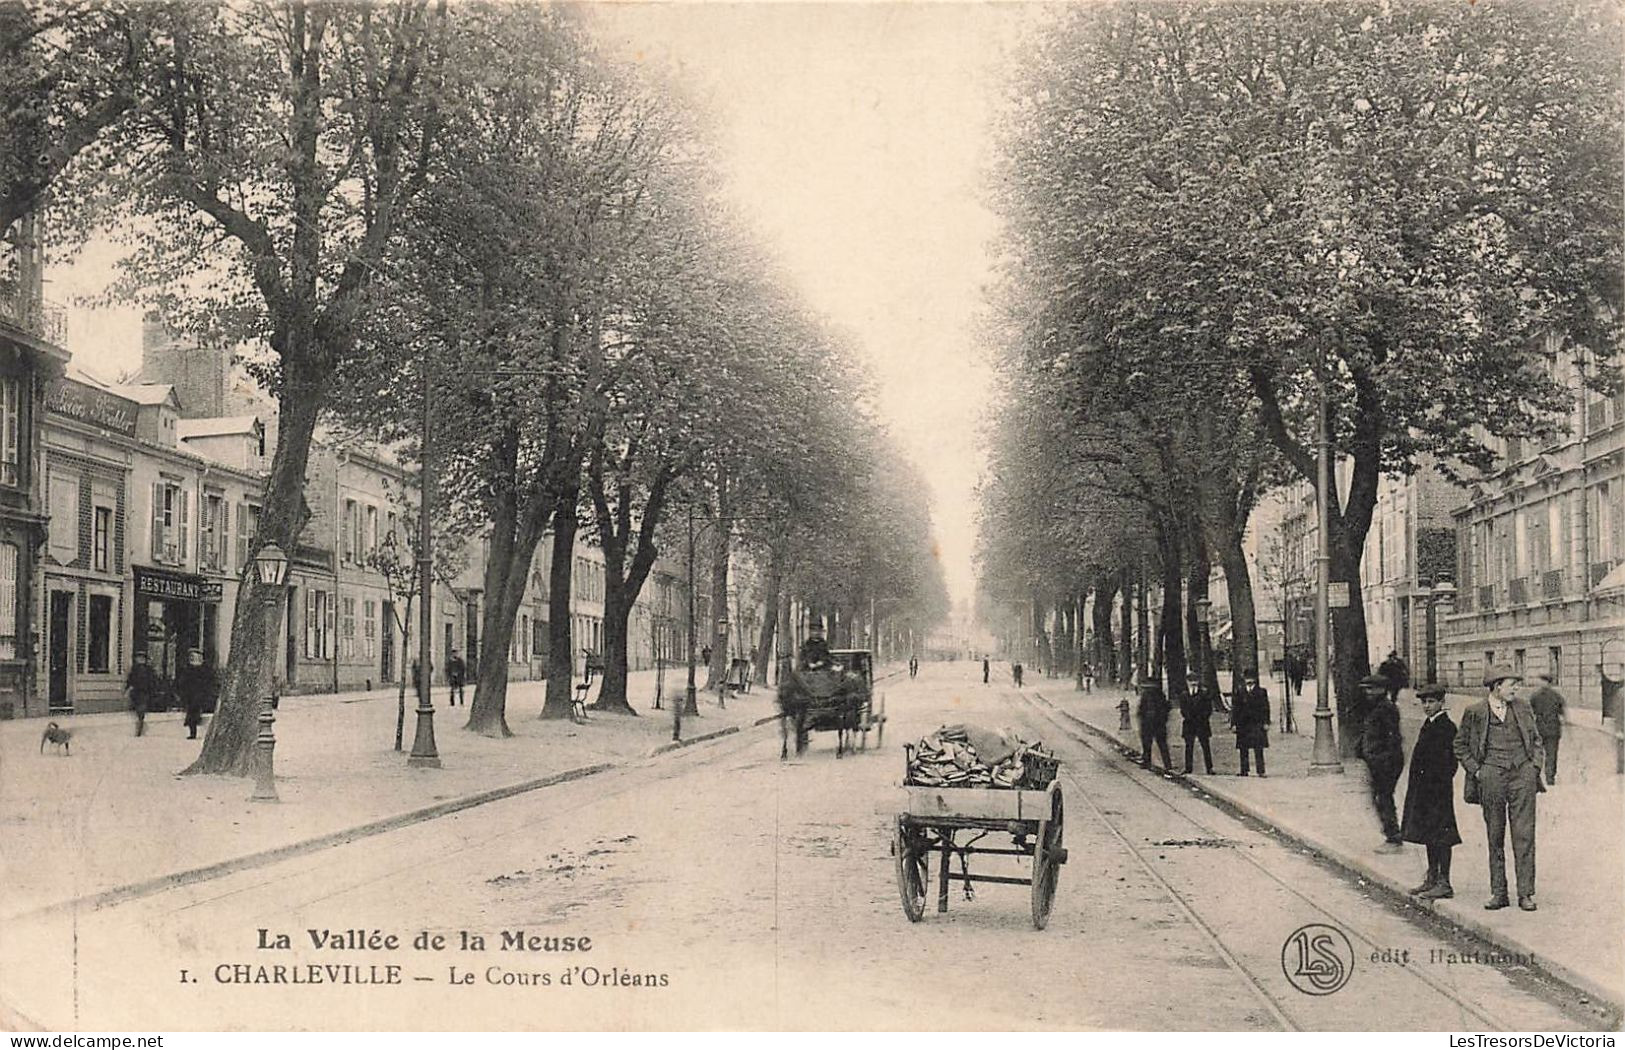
101, 539
211, 543
1517, 662
370, 546
170, 513
318, 625
101, 634
8, 601
520, 636
538, 642
10, 431
369, 628
347, 629
347, 533
1554, 663
64, 525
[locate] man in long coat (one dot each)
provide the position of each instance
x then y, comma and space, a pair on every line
1430, 799
1252, 718
1197, 715
1499, 746
1383, 750
195, 685
1153, 715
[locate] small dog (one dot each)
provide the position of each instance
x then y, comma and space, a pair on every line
55, 734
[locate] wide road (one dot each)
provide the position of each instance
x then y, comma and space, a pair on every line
723, 888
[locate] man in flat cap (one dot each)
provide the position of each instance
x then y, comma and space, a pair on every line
1499, 747
1383, 750
1430, 801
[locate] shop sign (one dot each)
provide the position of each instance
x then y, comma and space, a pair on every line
87, 404
157, 583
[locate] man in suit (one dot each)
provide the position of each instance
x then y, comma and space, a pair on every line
1153, 714
1499, 747
1548, 704
1252, 719
1197, 717
1430, 797
1384, 753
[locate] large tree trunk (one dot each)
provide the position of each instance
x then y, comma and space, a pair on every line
1350, 662
515, 531
1201, 636
1172, 638
1125, 655
721, 537
1105, 653
560, 656
617, 612
1243, 616
623, 578
770, 615
228, 746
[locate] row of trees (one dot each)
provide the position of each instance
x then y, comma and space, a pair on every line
1215, 210
477, 206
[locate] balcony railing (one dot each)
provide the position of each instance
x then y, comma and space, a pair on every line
1551, 584
1518, 591
38, 316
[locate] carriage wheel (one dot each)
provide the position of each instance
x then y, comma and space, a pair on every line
1047, 856
912, 873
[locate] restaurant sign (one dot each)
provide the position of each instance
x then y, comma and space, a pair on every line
157, 583
87, 404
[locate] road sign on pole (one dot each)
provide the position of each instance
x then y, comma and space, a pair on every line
1337, 594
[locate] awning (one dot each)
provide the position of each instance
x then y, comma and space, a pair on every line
1613, 582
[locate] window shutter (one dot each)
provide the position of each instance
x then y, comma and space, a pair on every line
310, 622
184, 499
242, 536
157, 521
328, 632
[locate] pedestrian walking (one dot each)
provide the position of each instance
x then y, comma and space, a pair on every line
1252, 720
1383, 751
1196, 716
1394, 673
1153, 714
456, 672
1499, 747
986, 669
195, 685
1295, 668
140, 689
1015, 672
1430, 794
1548, 705
913, 666
1088, 677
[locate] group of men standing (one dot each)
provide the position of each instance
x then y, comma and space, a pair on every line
1501, 748
1506, 748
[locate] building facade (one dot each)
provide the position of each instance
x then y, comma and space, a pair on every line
1539, 545
31, 358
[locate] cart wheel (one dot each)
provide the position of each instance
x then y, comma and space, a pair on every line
912, 873
1047, 856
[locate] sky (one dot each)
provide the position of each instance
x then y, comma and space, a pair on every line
855, 136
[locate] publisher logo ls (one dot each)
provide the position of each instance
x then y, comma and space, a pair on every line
1317, 959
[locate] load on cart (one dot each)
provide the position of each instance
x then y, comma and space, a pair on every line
961, 784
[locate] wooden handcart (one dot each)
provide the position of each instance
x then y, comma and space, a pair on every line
949, 821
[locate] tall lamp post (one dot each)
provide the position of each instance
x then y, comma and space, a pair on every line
1326, 759
271, 567
424, 753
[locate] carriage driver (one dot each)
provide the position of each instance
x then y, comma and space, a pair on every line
815, 650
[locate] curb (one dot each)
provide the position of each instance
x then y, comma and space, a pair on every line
1449, 911
674, 745
147, 887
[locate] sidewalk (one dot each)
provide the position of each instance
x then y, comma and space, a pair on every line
1578, 935
115, 814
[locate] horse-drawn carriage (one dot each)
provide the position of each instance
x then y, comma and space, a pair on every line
838, 697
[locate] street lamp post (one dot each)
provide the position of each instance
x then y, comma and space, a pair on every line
722, 644
691, 704
1326, 759
271, 567
424, 753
